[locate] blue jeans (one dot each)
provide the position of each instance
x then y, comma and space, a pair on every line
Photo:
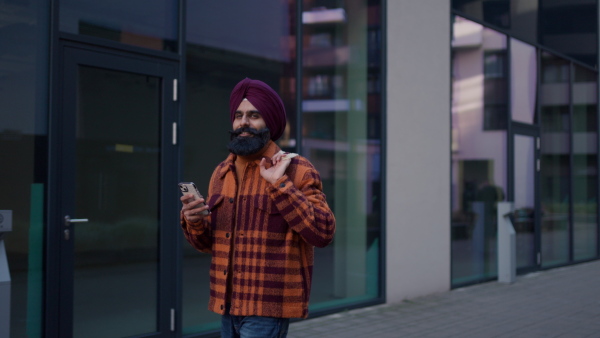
253, 327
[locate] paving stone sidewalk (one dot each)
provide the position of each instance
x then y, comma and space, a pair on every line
562, 302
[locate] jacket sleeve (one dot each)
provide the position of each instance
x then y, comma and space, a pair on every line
197, 234
304, 207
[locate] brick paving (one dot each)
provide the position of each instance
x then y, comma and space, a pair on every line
561, 302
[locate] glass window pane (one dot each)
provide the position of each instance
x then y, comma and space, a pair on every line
23, 144
341, 136
555, 160
496, 12
524, 200
569, 27
523, 77
585, 164
518, 17
478, 151
145, 23
228, 40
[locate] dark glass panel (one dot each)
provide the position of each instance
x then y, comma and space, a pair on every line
555, 160
518, 17
24, 61
494, 12
585, 164
116, 254
570, 27
145, 23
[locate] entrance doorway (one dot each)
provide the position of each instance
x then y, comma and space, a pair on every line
114, 222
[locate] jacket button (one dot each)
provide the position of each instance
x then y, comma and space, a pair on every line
227, 235
224, 272
231, 200
222, 306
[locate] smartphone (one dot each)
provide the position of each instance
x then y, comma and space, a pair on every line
190, 187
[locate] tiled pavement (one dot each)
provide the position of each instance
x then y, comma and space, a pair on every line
562, 302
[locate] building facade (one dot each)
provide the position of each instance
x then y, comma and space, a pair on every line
524, 130
419, 115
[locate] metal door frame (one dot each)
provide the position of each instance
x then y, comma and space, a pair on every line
58, 312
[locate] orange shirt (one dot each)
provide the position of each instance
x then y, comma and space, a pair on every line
264, 234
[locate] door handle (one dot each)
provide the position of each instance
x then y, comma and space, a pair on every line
69, 220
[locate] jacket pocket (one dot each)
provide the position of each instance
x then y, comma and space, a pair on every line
218, 214
274, 221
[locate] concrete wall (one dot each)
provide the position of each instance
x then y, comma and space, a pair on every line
418, 148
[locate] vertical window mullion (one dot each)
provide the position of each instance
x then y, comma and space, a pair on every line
571, 164
299, 76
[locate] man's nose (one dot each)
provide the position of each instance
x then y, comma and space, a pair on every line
245, 121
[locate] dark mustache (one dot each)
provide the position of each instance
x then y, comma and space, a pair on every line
237, 132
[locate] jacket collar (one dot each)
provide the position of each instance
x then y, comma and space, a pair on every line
229, 163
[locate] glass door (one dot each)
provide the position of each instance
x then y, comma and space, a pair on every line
117, 180
525, 216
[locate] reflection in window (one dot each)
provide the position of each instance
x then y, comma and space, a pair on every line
494, 12
145, 23
563, 22
495, 90
24, 106
341, 136
479, 103
585, 163
524, 200
555, 160
569, 27
523, 80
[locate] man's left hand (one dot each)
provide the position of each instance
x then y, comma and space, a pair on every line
278, 166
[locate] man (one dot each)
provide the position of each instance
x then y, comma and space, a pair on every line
267, 213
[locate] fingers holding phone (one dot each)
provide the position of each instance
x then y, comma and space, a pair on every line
194, 207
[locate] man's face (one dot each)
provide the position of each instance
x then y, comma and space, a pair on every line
248, 116
250, 133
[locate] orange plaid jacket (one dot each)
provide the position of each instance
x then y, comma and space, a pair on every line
272, 230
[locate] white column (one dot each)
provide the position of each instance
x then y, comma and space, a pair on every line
418, 148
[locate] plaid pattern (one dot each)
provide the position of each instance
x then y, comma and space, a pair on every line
276, 229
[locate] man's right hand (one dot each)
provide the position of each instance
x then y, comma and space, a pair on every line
192, 210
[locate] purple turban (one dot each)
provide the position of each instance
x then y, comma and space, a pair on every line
265, 99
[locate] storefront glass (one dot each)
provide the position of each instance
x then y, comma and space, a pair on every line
145, 23
561, 23
555, 159
585, 163
519, 17
23, 146
479, 120
555, 24
341, 116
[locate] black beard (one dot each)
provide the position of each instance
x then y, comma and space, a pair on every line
248, 145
